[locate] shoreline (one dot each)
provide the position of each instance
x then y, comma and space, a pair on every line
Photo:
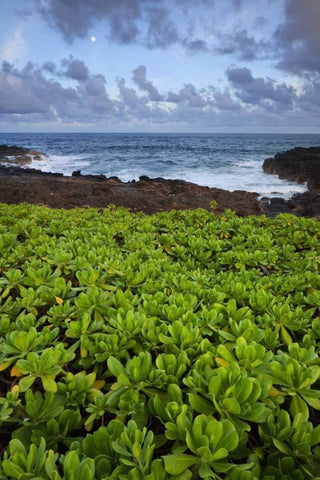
147, 195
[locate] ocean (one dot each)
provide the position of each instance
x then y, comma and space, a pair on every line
229, 161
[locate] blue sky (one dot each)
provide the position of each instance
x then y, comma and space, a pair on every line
160, 65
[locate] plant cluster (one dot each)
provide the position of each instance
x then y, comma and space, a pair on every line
179, 346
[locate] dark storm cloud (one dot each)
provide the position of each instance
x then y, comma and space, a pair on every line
298, 37
244, 46
255, 90
140, 79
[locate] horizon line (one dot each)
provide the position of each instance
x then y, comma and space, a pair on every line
157, 133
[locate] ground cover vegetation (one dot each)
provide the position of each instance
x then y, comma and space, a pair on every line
181, 345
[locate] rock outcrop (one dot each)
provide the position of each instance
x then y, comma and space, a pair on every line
300, 165
146, 195
19, 155
155, 195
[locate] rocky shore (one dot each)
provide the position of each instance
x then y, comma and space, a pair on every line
146, 195
19, 155
301, 165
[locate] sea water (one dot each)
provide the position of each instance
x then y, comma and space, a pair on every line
228, 161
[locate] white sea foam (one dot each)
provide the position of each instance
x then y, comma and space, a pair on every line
212, 170
65, 164
241, 176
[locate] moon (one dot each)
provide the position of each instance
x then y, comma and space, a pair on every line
93, 38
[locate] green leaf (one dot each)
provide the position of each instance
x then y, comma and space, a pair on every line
121, 450
315, 436
26, 382
285, 336
178, 463
283, 447
200, 404
220, 453
11, 469
232, 405
49, 384
313, 402
298, 405
115, 367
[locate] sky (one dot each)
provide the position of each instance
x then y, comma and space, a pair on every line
160, 66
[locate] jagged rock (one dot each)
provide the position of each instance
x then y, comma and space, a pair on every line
299, 164
306, 204
146, 195
19, 155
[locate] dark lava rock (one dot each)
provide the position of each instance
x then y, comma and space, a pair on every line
276, 206
149, 196
305, 204
299, 164
146, 195
19, 155
94, 178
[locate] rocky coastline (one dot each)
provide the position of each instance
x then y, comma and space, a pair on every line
301, 165
147, 195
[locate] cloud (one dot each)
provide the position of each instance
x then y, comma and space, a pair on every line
195, 46
298, 37
152, 23
242, 45
38, 94
140, 79
29, 91
128, 95
75, 69
188, 94
256, 90
74, 18
161, 29
224, 101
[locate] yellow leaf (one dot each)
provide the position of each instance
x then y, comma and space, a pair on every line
4, 365
273, 392
98, 384
15, 389
221, 362
59, 300
89, 426
15, 371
